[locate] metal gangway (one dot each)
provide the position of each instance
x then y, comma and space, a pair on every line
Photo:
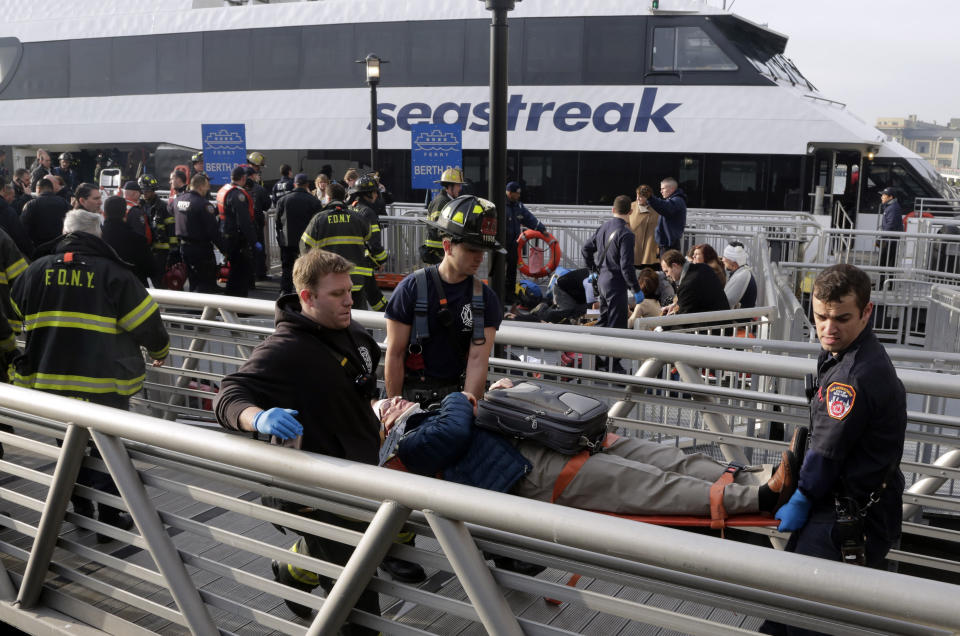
198, 560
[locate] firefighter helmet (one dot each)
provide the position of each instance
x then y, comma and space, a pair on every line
366, 183
148, 182
451, 175
469, 219
66, 156
256, 159
197, 157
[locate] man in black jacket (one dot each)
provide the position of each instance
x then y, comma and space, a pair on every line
42, 218
197, 230
239, 237
294, 211
10, 220
129, 245
610, 252
271, 394
698, 287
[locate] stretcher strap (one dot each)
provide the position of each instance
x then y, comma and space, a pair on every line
573, 466
718, 514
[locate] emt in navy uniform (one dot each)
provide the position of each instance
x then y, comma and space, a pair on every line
848, 504
516, 217
442, 346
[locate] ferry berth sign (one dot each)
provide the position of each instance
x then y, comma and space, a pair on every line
434, 148
224, 148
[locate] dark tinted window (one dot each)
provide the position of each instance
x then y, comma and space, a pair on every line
275, 58
225, 60
436, 52
388, 41
553, 50
178, 63
90, 67
134, 65
687, 48
327, 56
476, 56
614, 51
10, 49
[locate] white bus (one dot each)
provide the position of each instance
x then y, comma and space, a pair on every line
604, 95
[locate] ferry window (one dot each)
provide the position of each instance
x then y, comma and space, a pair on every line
436, 52
687, 48
9, 57
553, 51
134, 61
328, 59
389, 41
90, 67
178, 56
615, 52
225, 60
275, 58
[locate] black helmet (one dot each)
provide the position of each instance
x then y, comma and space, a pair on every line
197, 157
366, 183
470, 219
66, 156
148, 182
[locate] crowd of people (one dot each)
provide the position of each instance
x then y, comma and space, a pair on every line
85, 316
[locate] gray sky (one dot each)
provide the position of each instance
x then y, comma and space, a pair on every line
880, 57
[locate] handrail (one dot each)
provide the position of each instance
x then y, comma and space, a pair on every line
884, 594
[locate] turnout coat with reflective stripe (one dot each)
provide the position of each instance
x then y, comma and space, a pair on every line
341, 230
85, 316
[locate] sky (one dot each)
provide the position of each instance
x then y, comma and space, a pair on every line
883, 58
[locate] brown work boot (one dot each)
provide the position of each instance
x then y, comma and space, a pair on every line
783, 482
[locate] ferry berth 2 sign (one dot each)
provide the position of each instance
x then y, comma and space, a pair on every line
224, 148
434, 148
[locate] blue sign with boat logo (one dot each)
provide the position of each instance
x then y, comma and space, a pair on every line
224, 148
434, 148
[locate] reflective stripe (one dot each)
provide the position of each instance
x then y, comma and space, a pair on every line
160, 355
78, 383
16, 269
356, 288
374, 228
340, 240
362, 271
8, 344
16, 325
309, 240
382, 256
300, 575
436, 245
139, 313
380, 304
71, 319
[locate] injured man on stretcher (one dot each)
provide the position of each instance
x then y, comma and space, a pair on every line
629, 477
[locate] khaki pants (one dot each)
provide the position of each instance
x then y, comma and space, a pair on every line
637, 477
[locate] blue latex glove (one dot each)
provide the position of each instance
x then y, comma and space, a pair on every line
258, 246
794, 513
279, 422
638, 296
593, 277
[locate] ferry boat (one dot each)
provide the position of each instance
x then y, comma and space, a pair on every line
604, 95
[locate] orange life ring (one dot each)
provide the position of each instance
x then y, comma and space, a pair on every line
913, 215
555, 254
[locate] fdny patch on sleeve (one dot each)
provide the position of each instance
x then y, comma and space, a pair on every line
840, 398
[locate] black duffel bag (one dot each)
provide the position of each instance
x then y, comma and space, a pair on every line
558, 419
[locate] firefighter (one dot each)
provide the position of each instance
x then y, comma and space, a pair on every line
137, 217
66, 172
160, 216
196, 163
338, 228
362, 195
66, 301
195, 222
238, 237
431, 252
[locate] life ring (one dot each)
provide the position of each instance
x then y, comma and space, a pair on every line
913, 215
555, 254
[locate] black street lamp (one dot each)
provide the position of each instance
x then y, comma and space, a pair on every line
373, 78
496, 191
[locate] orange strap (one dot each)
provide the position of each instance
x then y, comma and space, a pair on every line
718, 514
573, 466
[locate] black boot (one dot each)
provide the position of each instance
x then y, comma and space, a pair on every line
113, 517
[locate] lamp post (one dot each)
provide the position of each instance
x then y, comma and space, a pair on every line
373, 63
498, 134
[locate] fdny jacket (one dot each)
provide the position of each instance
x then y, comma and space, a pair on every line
858, 420
339, 229
194, 220
673, 217
375, 251
12, 266
431, 252
294, 212
447, 442
337, 420
85, 316
281, 188
161, 219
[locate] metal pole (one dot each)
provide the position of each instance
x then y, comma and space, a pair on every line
189, 364
159, 544
474, 575
61, 486
713, 420
497, 178
360, 568
373, 126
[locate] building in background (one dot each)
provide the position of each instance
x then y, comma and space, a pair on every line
940, 145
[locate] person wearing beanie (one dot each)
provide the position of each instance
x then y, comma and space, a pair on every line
741, 287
